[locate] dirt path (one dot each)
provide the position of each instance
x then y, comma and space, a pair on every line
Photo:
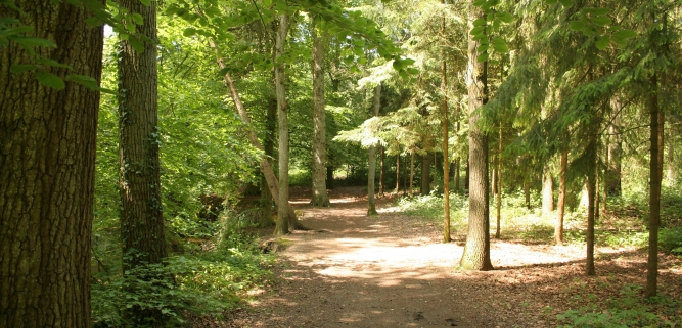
351, 270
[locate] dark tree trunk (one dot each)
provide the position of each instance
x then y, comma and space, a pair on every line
655, 177
47, 167
424, 182
476, 254
397, 174
458, 187
466, 174
614, 151
269, 149
319, 198
142, 224
411, 187
591, 209
499, 183
526, 192
381, 172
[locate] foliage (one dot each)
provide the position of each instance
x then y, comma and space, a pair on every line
625, 311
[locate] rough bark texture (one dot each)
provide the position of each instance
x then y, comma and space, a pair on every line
371, 153
547, 192
47, 164
282, 224
320, 197
476, 254
142, 225
655, 177
561, 201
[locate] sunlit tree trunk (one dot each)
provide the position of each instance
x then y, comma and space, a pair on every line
561, 201
47, 169
397, 174
371, 166
319, 198
476, 254
547, 192
282, 224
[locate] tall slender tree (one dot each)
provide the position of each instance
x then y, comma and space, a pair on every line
476, 254
47, 166
446, 137
282, 224
320, 197
371, 166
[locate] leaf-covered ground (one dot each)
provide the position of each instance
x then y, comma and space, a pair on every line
391, 270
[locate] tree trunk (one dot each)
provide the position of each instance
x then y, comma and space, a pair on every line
397, 174
466, 174
282, 224
499, 183
476, 254
591, 209
425, 175
446, 137
371, 208
269, 150
47, 167
614, 150
526, 192
670, 172
655, 176
411, 187
458, 188
381, 171
266, 164
547, 193
559, 226
320, 198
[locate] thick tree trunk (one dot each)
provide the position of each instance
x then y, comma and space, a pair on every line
655, 176
547, 192
371, 208
476, 254
561, 201
142, 224
282, 224
424, 182
320, 198
47, 167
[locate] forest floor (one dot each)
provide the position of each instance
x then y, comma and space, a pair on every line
391, 270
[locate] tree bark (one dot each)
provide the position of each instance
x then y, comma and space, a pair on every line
655, 177
411, 187
381, 172
371, 208
499, 183
446, 137
47, 167
142, 223
397, 174
670, 172
476, 254
282, 224
269, 150
614, 150
320, 197
559, 226
591, 209
424, 182
547, 193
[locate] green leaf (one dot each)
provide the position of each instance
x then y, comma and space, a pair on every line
50, 80
479, 22
189, 32
550, 2
83, 80
29, 42
16, 69
500, 45
138, 19
602, 43
505, 17
146, 2
601, 20
577, 26
483, 57
621, 37
136, 44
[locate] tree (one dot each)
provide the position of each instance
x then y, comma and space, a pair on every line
547, 192
142, 223
561, 201
320, 197
282, 224
446, 141
476, 254
47, 139
371, 162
